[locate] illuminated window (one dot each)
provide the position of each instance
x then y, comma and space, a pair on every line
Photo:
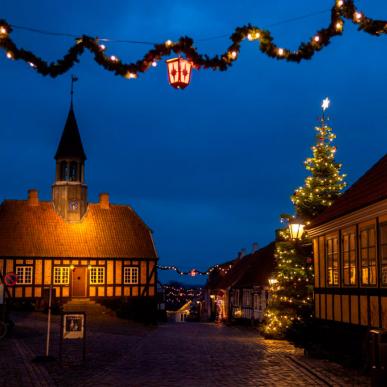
383, 253
348, 256
332, 258
368, 256
24, 275
97, 275
130, 275
61, 275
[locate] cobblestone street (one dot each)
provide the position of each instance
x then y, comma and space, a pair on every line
188, 354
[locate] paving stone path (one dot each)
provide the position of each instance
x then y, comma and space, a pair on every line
187, 354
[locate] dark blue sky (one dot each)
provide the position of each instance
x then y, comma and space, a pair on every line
209, 168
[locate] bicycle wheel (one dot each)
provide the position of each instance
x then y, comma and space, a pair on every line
3, 329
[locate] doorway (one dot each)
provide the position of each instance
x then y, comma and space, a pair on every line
79, 282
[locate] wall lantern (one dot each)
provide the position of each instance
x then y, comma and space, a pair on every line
296, 229
179, 72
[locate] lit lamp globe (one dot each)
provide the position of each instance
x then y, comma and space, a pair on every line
296, 229
179, 72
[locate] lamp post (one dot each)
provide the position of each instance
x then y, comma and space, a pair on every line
296, 229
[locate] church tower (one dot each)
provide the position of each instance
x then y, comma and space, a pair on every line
69, 192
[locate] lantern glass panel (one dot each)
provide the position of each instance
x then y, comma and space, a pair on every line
296, 230
179, 72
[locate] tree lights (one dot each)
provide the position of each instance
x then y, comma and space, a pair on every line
291, 304
341, 10
325, 183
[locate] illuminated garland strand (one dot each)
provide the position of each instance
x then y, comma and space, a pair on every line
343, 9
195, 272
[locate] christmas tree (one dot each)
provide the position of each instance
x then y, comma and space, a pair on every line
291, 305
325, 183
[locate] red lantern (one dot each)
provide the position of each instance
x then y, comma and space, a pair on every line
179, 72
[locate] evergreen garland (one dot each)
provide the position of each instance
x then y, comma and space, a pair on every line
341, 10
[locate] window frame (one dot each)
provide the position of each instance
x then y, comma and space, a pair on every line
368, 247
333, 255
349, 232
95, 279
380, 247
24, 269
61, 270
131, 268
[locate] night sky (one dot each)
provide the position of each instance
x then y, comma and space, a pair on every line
210, 168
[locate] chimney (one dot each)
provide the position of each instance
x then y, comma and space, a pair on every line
255, 247
33, 197
104, 201
242, 253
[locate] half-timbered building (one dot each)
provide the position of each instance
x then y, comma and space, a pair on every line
350, 254
92, 250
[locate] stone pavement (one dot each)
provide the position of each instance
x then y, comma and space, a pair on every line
187, 354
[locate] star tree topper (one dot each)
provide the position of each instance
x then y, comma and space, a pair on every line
325, 104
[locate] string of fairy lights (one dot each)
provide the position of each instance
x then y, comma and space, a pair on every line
342, 10
194, 272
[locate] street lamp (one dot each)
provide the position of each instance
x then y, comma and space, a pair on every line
296, 229
179, 72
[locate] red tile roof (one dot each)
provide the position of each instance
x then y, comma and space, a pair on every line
38, 231
369, 189
251, 270
258, 268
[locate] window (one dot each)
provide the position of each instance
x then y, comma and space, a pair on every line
97, 275
236, 297
332, 258
246, 295
368, 256
130, 275
73, 176
24, 275
383, 253
348, 241
63, 171
61, 275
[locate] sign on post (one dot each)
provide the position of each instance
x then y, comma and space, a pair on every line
73, 326
10, 279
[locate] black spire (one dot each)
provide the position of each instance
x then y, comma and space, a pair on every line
70, 145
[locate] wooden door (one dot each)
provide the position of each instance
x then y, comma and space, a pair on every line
79, 282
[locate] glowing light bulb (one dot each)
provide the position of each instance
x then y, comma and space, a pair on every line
339, 26
32, 64
233, 54
358, 16
3, 30
9, 55
340, 3
113, 58
168, 43
249, 37
154, 63
316, 38
280, 51
102, 47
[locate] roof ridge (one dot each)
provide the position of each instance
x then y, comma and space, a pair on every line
369, 188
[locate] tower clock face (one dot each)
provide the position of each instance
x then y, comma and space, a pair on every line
73, 205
